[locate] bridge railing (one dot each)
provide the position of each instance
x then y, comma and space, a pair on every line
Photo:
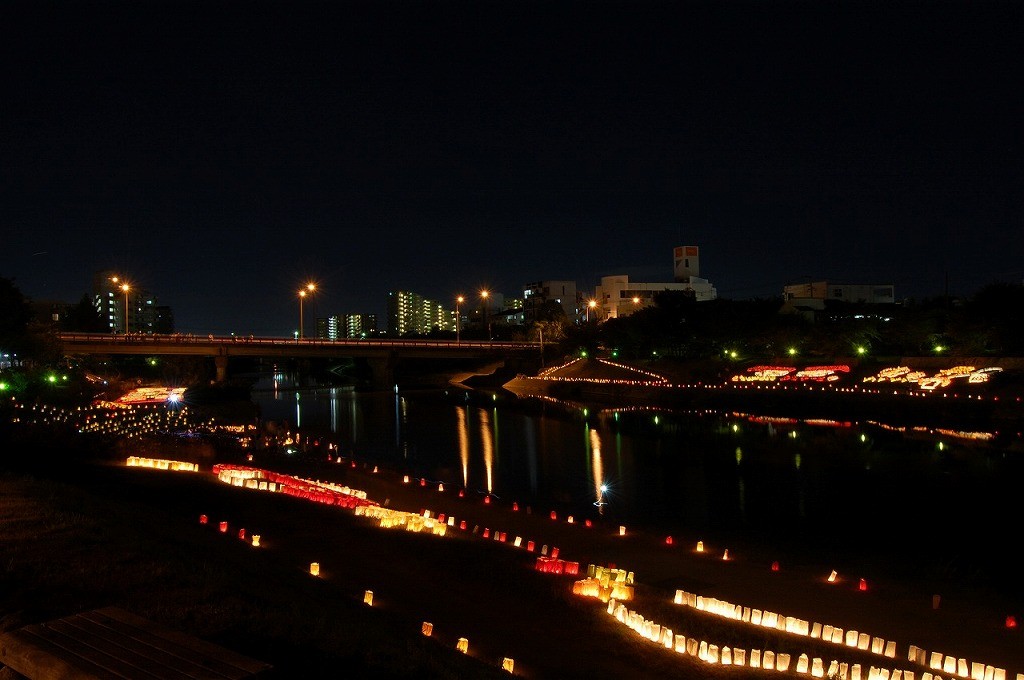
174, 338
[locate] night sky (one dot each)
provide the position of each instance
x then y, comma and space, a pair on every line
220, 154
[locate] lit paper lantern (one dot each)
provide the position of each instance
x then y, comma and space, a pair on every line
462, 525
1011, 621
554, 515
374, 469
405, 479
700, 546
462, 493
588, 523
255, 540
462, 645
440, 487
314, 568
507, 664
487, 500
427, 628
203, 519
832, 577
423, 482
223, 527
622, 531
518, 541
515, 508
368, 598
863, 585
530, 545
775, 565
554, 553
571, 519
241, 534
725, 555
668, 540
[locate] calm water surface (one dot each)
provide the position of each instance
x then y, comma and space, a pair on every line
858, 492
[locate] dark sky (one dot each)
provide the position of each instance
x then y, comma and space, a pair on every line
222, 153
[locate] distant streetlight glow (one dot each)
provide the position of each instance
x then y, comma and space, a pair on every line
591, 304
484, 294
458, 317
308, 290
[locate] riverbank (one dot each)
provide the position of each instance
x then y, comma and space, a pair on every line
96, 533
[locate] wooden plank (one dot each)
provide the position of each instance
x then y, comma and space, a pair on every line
212, 657
38, 658
112, 644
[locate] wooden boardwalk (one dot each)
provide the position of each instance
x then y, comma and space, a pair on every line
112, 644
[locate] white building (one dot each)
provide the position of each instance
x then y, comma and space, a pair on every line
618, 296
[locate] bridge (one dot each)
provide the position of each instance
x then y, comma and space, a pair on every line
382, 355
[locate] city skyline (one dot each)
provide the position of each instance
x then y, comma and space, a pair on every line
222, 155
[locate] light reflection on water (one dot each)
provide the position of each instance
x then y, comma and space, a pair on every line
851, 490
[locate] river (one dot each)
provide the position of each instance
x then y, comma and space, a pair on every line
861, 493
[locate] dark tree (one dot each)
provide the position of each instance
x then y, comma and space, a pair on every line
83, 318
14, 317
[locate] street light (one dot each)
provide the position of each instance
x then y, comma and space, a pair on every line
308, 290
590, 305
483, 295
125, 287
458, 316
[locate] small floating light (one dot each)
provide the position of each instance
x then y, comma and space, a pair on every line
462, 645
832, 577
368, 598
255, 540
314, 568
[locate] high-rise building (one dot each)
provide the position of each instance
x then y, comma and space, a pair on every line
345, 326
128, 308
411, 313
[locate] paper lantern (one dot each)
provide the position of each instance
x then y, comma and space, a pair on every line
775, 565
203, 519
554, 515
462, 493
515, 508
622, 530
241, 534
668, 540
530, 546
374, 469
487, 500
700, 546
368, 597
571, 519
440, 518
223, 527
518, 541
405, 479
725, 555
507, 664
863, 585
462, 645
554, 553
462, 525
314, 568
440, 487
255, 540
588, 523
427, 628
423, 482
832, 577
1011, 621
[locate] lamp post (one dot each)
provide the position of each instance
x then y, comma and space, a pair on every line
308, 290
590, 305
458, 317
125, 287
483, 296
